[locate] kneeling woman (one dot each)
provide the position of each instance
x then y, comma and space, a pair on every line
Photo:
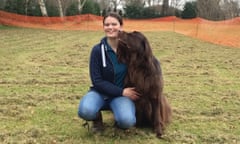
107, 76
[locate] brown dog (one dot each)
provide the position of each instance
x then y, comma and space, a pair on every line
145, 74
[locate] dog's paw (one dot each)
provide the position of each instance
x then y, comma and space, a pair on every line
159, 132
159, 135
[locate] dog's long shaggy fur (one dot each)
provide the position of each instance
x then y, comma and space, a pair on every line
145, 74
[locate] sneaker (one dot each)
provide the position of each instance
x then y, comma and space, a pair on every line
98, 123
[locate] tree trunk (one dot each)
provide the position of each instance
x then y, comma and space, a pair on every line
42, 7
26, 7
60, 8
165, 6
81, 3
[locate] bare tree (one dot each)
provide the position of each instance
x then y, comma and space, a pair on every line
148, 2
115, 4
104, 4
230, 8
42, 7
81, 3
2, 4
218, 9
134, 1
26, 6
61, 5
60, 8
209, 9
151, 3
165, 7
176, 3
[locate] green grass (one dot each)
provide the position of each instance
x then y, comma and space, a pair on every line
44, 73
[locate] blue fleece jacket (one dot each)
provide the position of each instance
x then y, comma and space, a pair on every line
103, 66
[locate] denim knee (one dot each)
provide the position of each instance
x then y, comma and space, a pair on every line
126, 122
124, 112
89, 105
86, 113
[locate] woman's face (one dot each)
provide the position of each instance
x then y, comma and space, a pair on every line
111, 27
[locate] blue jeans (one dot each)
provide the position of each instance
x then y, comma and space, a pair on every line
122, 107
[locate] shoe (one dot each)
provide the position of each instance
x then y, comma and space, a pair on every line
98, 123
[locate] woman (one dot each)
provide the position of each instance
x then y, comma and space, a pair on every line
107, 76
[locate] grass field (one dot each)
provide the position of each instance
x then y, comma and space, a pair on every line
44, 73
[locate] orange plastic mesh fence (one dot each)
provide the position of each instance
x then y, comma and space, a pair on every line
219, 32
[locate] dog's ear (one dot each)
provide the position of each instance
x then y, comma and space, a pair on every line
137, 33
147, 48
145, 44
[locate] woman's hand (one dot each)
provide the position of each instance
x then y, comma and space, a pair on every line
131, 93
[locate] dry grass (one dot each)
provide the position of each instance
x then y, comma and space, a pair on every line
44, 74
